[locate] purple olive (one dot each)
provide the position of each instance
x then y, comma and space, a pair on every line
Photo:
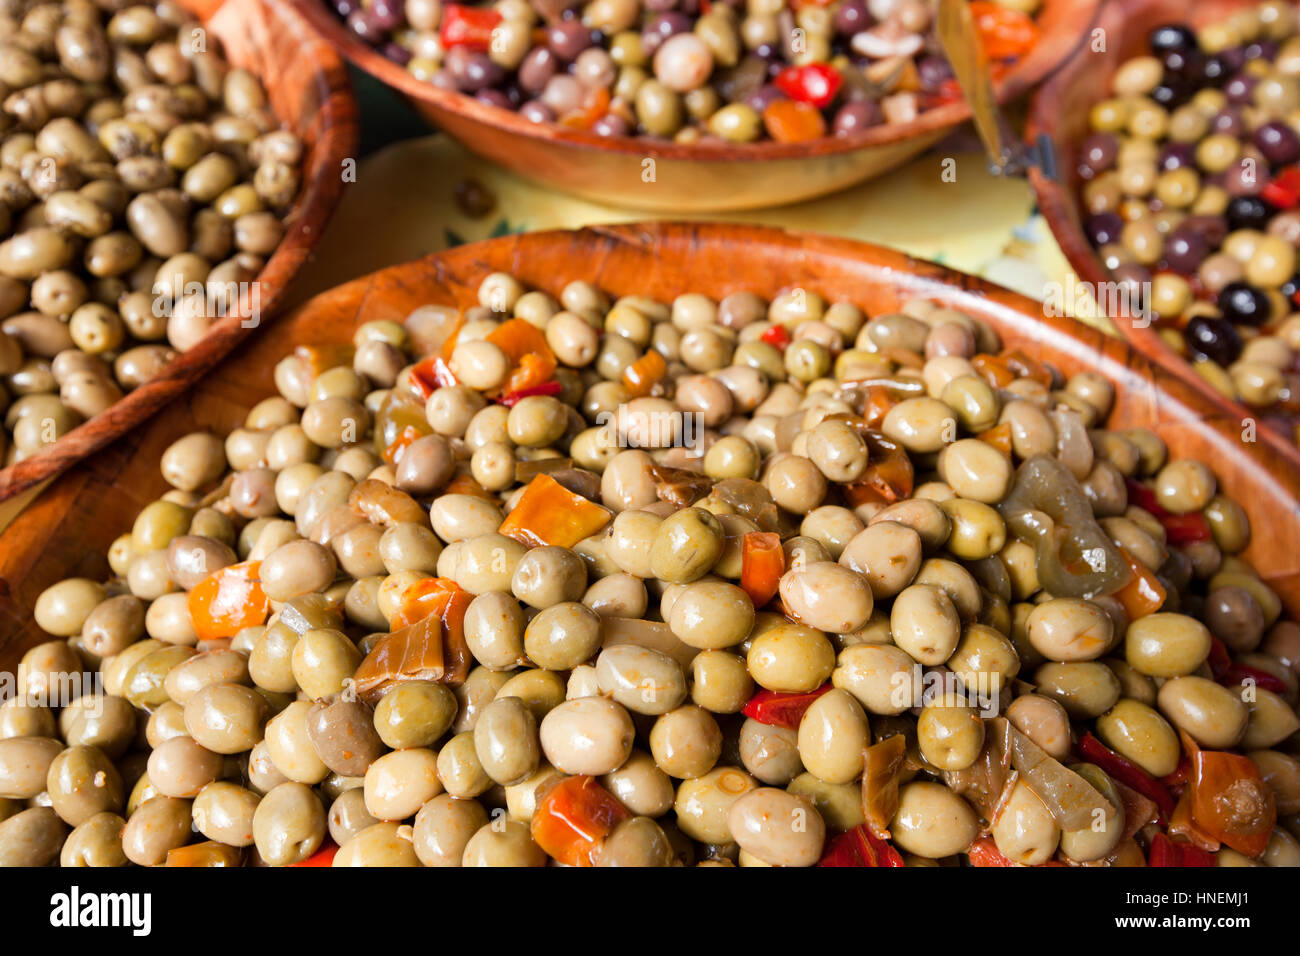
933, 72
1278, 142
363, 25
537, 112
855, 116
1213, 338
345, 8
1175, 156
1240, 89
1229, 122
763, 97
493, 98
1104, 227
538, 66
852, 16
1185, 250
661, 27
567, 39
388, 14
397, 53
610, 125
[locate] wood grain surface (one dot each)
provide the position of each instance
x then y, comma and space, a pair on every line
1060, 110
68, 530
309, 89
695, 178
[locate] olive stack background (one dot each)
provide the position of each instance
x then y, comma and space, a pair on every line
136, 168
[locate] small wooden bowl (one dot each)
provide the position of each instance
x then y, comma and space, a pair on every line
68, 530
308, 86
1059, 110
703, 178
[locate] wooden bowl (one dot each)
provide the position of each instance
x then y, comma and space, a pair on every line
702, 178
69, 528
1060, 111
308, 86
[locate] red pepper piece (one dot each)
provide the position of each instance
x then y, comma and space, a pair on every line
467, 26
322, 857
776, 336
1219, 661
985, 853
1237, 674
510, 399
1126, 772
430, 375
1283, 192
1180, 530
781, 709
812, 83
860, 847
761, 567
1167, 853
1230, 801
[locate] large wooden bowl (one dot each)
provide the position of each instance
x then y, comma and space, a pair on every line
67, 531
309, 89
1060, 110
703, 178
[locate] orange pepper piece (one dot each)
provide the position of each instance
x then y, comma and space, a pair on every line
423, 598
1143, 594
466, 485
573, 819
518, 338
227, 601
408, 434
594, 106
322, 857
994, 369
1231, 802
999, 436
789, 121
762, 563
1004, 33
322, 358
549, 513
644, 374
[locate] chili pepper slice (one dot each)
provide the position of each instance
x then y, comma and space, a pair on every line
1126, 772
1283, 191
781, 709
984, 852
511, 399
1180, 530
1142, 593
762, 563
859, 847
777, 336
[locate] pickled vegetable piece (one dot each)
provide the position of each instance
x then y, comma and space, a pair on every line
470, 27
549, 513
1005, 34
412, 653
1047, 507
1167, 852
573, 819
999, 436
1231, 802
424, 597
322, 857
883, 765
986, 782
1143, 593
1069, 798
984, 852
889, 477
678, 486
531, 359
227, 601
322, 358
1126, 772
789, 121
208, 853
644, 374
762, 564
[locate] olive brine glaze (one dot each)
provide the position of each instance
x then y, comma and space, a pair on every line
737, 71
1191, 197
658, 580
143, 180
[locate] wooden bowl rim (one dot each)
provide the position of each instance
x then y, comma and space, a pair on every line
1041, 63
1060, 210
37, 543
338, 120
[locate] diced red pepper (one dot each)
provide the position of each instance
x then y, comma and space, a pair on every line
859, 847
574, 817
1126, 772
431, 374
762, 563
812, 83
467, 26
408, 434
781, 709
1238, 674
511, 399
640, 377
1170, 853
1005, 34
322, 857
1180, 530
777, 336
1283, 191
1219, 660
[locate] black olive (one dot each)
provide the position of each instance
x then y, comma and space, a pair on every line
1172, 36
1214, 339
1242, 302
1247, 212
1104, 228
